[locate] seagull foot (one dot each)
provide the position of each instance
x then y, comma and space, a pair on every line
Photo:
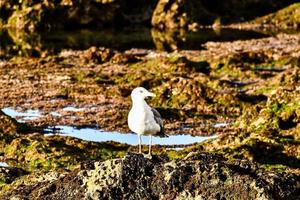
149, 156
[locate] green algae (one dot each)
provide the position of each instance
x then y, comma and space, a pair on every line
33, 151
54, 152
188, 89
270, 139
284, 18
9, 128
267, 133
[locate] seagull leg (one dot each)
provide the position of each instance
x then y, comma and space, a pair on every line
150, 143
140, 141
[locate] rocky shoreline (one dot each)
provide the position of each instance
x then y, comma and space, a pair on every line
263, 85
98, 81
250, 86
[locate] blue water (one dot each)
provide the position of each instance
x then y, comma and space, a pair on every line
3, 164
96, 135
24, 116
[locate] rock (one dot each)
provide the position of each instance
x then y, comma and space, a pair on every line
288, 17
10, 126
191, 14
175, 14
30, 17
198, 176
269, 133
97, 55
9, 174
49, 14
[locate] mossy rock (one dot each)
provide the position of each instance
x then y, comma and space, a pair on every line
268, 134
288, 17
37, 152
28, 18
180, 14
45, 15
194, 13
10, 126
97, 55
9, 174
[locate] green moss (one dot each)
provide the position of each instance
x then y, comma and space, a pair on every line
58, 152
179, 154
287, 17
272, 167
28, 18
270, 138
79, 77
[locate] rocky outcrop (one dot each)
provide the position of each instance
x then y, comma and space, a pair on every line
180, 14
9, 127
194, 13
49, 14
30, 16
285, 18
198, 176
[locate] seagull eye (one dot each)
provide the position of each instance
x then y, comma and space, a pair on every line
141, 91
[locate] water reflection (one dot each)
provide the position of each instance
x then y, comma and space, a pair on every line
15, 42
181, 39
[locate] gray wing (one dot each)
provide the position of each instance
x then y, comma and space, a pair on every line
158, 119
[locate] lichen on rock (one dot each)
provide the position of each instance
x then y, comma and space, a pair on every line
199, 175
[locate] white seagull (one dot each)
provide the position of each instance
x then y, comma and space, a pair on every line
142, 119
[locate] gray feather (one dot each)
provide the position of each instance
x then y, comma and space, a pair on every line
159, 121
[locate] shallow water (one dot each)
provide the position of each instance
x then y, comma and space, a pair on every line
72, 109
22, 116
3, 164
220, 124
96, 135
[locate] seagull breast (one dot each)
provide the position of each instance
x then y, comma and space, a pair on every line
141, 119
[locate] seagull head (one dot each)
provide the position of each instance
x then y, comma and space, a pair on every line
140, 93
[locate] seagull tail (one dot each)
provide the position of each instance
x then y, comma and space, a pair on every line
162, 134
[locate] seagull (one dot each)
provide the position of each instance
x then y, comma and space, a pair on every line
142, 119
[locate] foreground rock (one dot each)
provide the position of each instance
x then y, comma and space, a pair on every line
197, 176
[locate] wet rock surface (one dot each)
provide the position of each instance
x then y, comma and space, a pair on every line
26, 149
245, 90
199, 175
98, 82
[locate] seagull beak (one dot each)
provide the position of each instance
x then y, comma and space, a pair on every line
150, 94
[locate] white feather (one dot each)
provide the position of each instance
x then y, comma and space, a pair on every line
141, 118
